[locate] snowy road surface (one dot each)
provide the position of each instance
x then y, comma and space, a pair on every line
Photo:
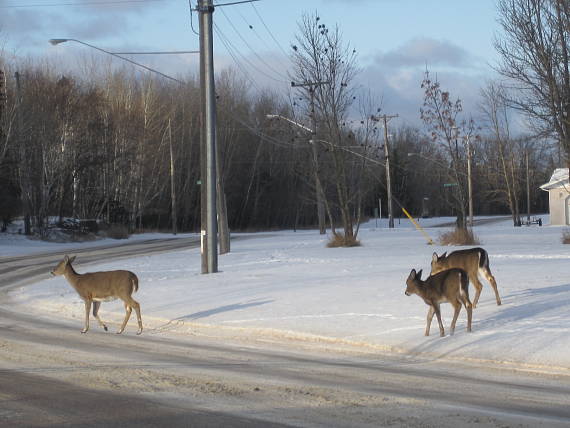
52, 375
194, 374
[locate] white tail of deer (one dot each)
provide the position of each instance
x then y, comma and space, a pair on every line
450, 286
474, 261
97, 287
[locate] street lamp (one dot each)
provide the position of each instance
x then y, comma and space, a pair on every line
210, 256
56, 42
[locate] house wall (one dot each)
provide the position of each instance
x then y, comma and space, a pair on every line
557, 201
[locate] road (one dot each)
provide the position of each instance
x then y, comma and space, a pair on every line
26, 269
52, 375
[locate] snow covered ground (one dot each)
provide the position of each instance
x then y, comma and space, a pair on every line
287, 284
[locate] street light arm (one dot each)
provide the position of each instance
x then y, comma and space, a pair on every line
58, 41
278, 116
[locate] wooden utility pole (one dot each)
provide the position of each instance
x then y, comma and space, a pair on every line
385, 119
527, 189
25, 173
172, 181
469, 183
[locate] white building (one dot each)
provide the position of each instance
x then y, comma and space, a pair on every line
558, 190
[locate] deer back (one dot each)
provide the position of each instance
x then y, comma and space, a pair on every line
470, 260
107, 284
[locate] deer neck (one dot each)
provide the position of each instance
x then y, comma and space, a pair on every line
423, 291
71, 276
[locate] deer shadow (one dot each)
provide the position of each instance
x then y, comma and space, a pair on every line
546, 299
222, 309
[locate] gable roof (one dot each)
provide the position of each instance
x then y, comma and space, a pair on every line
559, 179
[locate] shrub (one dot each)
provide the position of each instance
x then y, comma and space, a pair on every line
338, 240
566, 237
117, 231
458, 237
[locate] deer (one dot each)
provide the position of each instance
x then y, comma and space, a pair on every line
451, 286
474, 261
97, 287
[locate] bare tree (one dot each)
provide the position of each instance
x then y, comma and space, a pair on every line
534, 49
495, 110
320, 56
442, 117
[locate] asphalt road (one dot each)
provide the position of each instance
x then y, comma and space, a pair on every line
26, 269
52, 375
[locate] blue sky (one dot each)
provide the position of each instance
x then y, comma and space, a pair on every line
395, 39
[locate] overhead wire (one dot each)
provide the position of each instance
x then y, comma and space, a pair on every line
192, 19
268, 30
88, 3
261, 60
231, 52
261, 39
228, 43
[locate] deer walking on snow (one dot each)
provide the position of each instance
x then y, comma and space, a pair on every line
97, 287
450, 286
474, 261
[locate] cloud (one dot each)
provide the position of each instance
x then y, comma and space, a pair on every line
418, 52
29, 28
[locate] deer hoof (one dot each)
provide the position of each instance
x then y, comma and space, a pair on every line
120, 331
83, 331
139, 332
105, 328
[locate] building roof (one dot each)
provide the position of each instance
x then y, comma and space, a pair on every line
559, 179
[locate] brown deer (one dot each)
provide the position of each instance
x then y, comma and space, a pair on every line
97, 287
474, 261
450, 286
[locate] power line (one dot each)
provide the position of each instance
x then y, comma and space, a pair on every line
89, 3
251, 49
192, 19
263, 40
233, 51
226, 43
269, 31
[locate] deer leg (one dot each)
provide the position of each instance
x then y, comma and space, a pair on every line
87, 309
135, 304
489, 277
457, 309
96, 306
128, 311
478, 287
438, 313
469, 316
429, 319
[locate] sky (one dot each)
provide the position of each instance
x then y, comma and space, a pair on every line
284, 285
395, 40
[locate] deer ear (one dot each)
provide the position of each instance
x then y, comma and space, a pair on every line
412, 274
419, 274
444, 255
434, 257
71, 260
66, 258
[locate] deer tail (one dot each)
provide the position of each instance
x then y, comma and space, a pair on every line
483, 259
135, 282
464, 288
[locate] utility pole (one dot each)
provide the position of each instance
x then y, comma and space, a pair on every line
24, 175
385, 119
527, 190
319, 189
469, 184
209, 234
172, 181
